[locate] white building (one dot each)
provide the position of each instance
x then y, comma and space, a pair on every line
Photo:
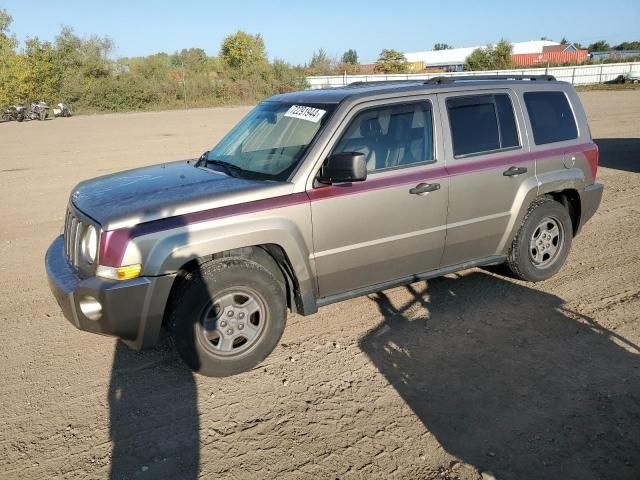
453, 60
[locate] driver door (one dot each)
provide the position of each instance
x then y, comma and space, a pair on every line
381, 230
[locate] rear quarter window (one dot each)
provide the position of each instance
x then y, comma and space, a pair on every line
551, 117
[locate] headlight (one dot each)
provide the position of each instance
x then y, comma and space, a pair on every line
89, 244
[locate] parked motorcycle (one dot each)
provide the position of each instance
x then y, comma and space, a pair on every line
38, 111
61, 110
17, 113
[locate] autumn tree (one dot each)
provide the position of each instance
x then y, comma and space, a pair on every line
244, 51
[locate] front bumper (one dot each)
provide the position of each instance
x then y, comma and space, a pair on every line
131, 310
590, 200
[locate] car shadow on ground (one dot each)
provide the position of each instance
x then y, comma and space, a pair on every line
511, 381
620, 153
154, 421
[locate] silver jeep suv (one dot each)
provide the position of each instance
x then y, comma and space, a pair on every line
319, 196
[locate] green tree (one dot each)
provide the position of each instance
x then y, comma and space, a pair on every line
13, 67
244, 51
44, 71
599, 46
391, 61
350, 57
491, 57
502, 53
628, 46
321, 63
442, 46
192, 59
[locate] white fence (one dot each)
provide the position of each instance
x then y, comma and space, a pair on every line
578, 75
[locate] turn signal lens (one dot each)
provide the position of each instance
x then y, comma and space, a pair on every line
129, 272
119, 273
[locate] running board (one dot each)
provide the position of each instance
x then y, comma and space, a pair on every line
339, 297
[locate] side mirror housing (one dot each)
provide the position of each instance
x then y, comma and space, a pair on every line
343, 167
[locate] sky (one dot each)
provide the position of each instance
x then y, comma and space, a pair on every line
293, 30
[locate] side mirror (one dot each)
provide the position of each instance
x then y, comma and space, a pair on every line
343, 167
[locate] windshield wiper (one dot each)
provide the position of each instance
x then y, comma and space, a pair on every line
229, 168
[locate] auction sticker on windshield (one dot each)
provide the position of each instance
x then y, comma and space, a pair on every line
305, 113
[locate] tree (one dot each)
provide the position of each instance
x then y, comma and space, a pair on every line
502, 53
599, 46
321, 63
44, 71
243, 51
628, 46
13, 67
391, 61
492, 57
442, 46
192, 59
350, 57
564, 41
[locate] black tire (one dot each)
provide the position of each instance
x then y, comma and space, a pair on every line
521, 260
195, 312
20, 117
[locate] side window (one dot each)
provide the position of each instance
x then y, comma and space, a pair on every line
551, 117
482, 123
391, 137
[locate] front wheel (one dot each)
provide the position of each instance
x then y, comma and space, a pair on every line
227, 316
543, 242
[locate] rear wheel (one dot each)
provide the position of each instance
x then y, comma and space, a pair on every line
543, 242
227, 316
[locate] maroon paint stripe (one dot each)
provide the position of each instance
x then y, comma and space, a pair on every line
113, 243
373, 183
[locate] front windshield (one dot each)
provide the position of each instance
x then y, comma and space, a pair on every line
270, 141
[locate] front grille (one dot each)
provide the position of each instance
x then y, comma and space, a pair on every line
72, 233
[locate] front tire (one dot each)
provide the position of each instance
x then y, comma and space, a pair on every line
543, 242
227, 316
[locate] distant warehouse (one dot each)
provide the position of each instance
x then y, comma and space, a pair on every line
537, 52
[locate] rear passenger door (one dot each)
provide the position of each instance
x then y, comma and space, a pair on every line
488, 161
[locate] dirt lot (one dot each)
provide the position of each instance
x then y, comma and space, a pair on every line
466, 374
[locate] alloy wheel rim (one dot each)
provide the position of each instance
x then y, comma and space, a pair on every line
233, 322
546, 242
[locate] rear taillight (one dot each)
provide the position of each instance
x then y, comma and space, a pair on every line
592, 155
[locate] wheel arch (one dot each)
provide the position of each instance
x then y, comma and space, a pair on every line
271, 256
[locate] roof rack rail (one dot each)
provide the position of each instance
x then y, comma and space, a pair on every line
442, 79
361, 83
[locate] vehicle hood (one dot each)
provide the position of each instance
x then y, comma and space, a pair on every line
145, 194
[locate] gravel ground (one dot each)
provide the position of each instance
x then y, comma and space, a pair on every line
448, 379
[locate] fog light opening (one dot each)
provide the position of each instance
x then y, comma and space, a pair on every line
91, 308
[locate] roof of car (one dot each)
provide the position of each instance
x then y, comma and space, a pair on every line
367, 89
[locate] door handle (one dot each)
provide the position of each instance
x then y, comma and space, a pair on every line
514, 171
423, 188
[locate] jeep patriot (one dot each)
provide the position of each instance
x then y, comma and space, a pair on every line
323, 195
